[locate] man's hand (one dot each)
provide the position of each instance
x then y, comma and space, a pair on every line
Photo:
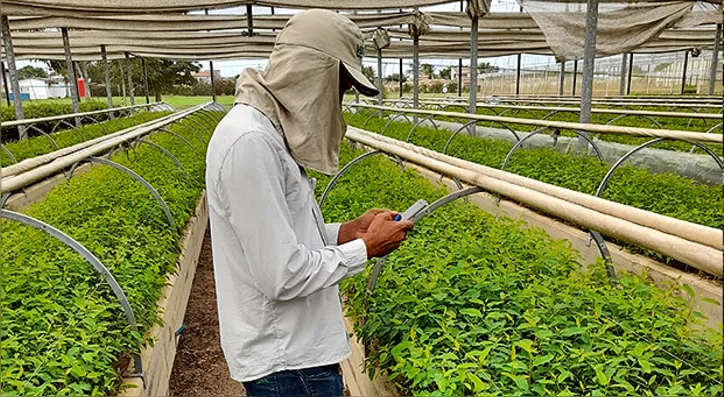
364, 221
353, 230
383, 235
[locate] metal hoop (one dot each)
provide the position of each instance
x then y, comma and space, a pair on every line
372, 114
182, 139
138, 178
391, 119
77, 130
193, 130
198, 124
520, 143
167, 153
372, 282
623, 116
344, 169
94, 261
417, 124
10, 155
55, 145
644, 145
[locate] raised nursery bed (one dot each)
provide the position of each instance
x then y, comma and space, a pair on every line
666, 194
474, 304
62, 330
38, 145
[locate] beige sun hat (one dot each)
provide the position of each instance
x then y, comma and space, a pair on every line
338, 37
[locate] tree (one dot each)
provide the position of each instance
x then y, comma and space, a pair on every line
396, 77
368, 72
29, 72
427, 70
446, 73
163, 74
486, 67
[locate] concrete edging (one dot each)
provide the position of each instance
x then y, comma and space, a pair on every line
158, 359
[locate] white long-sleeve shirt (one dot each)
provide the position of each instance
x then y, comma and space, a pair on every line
276, 263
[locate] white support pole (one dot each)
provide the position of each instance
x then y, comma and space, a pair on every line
714, 59
13, 74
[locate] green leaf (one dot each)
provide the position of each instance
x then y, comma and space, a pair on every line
540, 360
478, 384
572, 331
601, 377
689, 290
471, 312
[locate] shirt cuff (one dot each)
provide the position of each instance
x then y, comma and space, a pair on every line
332, 232
355, 256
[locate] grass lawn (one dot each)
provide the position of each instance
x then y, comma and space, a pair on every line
183, 102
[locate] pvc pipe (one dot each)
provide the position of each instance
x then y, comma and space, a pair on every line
705, 235
702, 257
16, 175
593, 128
708, 116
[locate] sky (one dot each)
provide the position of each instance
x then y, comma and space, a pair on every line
233, 68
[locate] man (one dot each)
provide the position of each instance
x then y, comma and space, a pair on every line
277, 265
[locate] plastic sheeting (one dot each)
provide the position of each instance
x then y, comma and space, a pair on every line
180, 23
622, 26
91, 7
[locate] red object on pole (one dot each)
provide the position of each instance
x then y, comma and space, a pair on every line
81, 87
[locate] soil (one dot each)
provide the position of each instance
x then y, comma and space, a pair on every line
200, 368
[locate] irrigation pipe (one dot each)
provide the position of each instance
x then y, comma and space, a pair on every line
651, 113
709, 236
34, 162
14, 123
702, 257
593, 128
15, 182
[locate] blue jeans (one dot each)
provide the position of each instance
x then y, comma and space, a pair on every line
317, 381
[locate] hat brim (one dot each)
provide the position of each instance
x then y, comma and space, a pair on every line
361, 83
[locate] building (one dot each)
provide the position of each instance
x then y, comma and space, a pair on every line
465, 73
204, 76
42, 88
